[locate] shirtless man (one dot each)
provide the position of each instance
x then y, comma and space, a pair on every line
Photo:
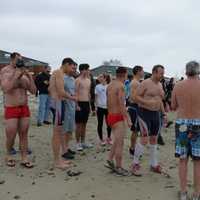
186, 101
83, 85
149, 96
58, 94
117, 118
138, 74
15, 83
136, 149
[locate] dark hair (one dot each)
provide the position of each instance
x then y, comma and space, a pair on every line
137, 69
156, 67
130, 76
146, 76
68, 61
121, 70
84, 66
107, 77
13, 55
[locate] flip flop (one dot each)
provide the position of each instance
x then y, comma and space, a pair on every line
11, 163
71, 173
27, 165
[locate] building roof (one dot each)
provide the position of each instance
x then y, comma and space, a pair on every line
5, 59
108, 70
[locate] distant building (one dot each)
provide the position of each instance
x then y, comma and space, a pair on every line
33, 65
109, 70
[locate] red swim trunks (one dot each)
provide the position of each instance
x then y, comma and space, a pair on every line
112, 119
16, 112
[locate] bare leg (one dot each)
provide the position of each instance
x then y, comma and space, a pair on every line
120, 131
183, 174
111, 154
56, 144
65, 142
23, 137
117, 147
133, 140
11, 128
78, 133
197, 177
83, 133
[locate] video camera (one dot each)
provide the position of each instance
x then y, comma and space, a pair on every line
20, 63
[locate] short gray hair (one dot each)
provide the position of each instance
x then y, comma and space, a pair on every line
192, 68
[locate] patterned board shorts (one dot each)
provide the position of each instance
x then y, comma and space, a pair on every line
187, 138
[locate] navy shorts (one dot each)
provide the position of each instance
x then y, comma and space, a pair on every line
151, 119
133, 110
57, 108
82, 115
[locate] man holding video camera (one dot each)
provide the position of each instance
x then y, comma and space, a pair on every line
16, 81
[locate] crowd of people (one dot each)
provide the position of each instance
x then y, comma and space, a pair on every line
139, 103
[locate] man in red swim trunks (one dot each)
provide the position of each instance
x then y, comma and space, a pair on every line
117, 119
15, 82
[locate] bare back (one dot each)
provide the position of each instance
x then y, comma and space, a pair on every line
113, 97
186, 99
15, 94
83, 86
56, 82
133, 88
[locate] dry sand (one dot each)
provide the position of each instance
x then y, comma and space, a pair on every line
96, 182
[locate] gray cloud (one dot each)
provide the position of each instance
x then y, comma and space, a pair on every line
136, 32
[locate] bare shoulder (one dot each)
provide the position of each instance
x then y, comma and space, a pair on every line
77, 80
134, 83
6, 69
146, 82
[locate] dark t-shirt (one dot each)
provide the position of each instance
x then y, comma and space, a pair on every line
42, 83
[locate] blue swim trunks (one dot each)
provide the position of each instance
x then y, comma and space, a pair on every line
187, 138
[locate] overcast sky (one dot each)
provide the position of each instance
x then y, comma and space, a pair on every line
144, 32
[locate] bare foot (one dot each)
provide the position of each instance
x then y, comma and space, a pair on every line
68, 162
62, 165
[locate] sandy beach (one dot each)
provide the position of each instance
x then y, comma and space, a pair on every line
95, 182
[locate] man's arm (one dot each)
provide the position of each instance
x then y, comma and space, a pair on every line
10, 80
31, 87
174, 104
133, 90
122, 107
60, 88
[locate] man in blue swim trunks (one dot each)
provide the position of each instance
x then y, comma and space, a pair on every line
186, 101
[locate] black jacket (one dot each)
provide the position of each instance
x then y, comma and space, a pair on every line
42, 83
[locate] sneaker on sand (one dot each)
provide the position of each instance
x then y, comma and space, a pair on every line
136, 170
156, 169
79, 147
72, 152
122, 172
103, 143
68, 156
131, 151
86, 146
183, 196
109, 141
195, 197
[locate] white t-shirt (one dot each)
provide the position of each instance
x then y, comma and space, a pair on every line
100, 92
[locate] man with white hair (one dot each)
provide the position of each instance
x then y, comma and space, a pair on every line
186, 101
